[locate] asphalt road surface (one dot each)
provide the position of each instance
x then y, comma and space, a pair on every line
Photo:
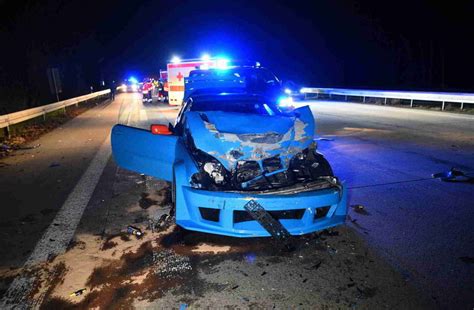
423, 225
419, 225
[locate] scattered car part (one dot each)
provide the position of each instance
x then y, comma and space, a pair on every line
454, 175
360, 209
134, 231
78, 292
274, 227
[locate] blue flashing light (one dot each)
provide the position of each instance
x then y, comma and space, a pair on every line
285, 101
133, 80
205, 57
175, 60
287, 91
222, 63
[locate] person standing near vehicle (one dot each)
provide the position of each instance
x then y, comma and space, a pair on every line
113, 88
147, 91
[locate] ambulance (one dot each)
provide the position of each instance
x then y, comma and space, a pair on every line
179, 69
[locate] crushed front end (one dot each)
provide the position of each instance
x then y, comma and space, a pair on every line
271, 160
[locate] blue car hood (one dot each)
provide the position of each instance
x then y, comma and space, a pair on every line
231, 137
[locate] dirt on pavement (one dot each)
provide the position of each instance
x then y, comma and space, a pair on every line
168, 267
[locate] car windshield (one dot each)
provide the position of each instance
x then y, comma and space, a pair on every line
239, 105
254, 76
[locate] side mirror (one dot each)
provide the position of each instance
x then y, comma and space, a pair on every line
159, 129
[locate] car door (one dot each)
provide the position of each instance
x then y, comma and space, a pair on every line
141, 151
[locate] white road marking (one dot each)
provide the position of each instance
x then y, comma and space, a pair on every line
60, 232
143, 116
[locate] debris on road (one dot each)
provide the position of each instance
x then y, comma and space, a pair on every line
360, 209
78, 292
145, 202
332, 250
54, 165
163, 223
330, 232
315, 266
366, 292
30, 147
324, 139
454, 175
134, 231
168, 264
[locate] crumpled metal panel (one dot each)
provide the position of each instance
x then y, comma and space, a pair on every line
232, 137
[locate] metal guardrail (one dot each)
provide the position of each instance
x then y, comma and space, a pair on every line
441, 97
7, 120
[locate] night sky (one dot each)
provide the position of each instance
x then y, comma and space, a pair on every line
416, 45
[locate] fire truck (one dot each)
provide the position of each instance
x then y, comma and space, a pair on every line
180, 69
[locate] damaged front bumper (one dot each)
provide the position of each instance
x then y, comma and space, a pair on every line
301, 210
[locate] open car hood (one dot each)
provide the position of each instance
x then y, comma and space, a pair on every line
231, 137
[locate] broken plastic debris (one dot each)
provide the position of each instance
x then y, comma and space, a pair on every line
250, 258
134, 231
315, 266
78, 292
30, 147
453, 175
54, 165
274, 227
359, 209
323, 139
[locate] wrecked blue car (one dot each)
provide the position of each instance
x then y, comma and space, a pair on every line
227, 150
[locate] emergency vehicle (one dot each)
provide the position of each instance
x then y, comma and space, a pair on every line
180, 69
163, 96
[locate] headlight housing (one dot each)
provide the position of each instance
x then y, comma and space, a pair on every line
216, 171
212, 174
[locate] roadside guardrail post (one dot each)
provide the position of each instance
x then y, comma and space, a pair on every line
411, 103
442, 106
385, 101
462, 106
363, 99
6, 131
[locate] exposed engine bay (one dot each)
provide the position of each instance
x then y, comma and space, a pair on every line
263, 161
